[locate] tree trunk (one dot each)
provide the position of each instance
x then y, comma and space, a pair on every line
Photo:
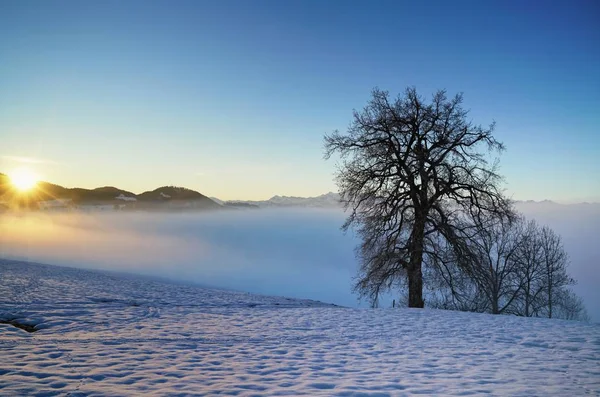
550, 300
495, 299
495, 305
415, 273
527, 295
415, 285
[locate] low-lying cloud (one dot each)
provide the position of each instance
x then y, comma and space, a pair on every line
294, 252
297, 253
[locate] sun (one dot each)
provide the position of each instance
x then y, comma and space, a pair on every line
23, 179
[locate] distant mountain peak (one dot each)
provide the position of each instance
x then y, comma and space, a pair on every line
536, 202
326, 200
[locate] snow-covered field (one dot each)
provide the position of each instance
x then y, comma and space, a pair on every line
109, 334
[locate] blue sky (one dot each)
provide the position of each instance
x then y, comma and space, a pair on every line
233, 98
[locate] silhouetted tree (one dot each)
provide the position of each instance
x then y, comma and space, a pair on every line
569, 306
529, 270
493, 264
511, 267
554, 264
410, 172
542, 270
452, 286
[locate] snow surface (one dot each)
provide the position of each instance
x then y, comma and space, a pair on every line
112, 334
125, 198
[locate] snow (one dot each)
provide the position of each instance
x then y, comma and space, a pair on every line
165, 195
328, 200
113, 334
125, 198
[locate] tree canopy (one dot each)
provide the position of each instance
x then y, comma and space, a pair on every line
411, 172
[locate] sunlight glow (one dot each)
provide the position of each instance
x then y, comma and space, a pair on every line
23, 179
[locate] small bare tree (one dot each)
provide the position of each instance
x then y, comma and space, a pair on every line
511, 267
569, 306
410, 171
530, 270
554, 263
493, 265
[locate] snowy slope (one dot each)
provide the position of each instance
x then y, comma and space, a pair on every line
107, 334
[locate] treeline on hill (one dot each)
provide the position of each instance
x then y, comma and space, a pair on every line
424, 195
45, 191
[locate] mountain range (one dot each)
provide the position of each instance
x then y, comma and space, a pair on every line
328, 200
47, 193
172, 197
165, 197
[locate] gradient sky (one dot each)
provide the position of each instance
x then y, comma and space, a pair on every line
233, 98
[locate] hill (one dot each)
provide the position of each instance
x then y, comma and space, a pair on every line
107, 193
166, 197
4, 184
176, 198
171, 193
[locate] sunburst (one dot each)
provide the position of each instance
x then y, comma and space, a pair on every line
23, 179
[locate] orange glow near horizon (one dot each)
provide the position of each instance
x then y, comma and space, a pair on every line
23, 179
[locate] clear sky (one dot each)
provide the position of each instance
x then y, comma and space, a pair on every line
232, 98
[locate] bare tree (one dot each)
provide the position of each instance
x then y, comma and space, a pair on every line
493, 265
542, 269
410, 172
449, 286
554, 262
569, 306
511, 267
530, 270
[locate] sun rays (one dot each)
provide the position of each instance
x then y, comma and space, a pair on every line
23, 179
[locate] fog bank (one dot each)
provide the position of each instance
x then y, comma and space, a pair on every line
293, 252
297, 253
